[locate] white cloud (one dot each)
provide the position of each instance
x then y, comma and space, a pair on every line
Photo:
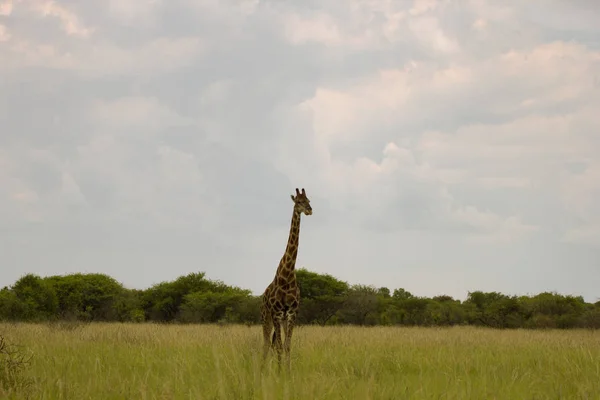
71, 191
135, 112
136, 13
93, 56
523, 153
70, 22
6, 7
320, 28
423, 6
157, 56
4, 34
497, 12
480, 24
369, 25
491, 227
427, 30
580, 191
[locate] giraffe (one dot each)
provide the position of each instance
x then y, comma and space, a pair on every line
281, 298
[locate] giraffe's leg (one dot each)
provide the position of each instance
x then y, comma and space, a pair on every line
290, 323
277, 338
284, 325
267, 325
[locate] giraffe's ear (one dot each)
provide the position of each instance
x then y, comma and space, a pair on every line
293, 198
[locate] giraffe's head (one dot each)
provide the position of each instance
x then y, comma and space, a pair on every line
302, 203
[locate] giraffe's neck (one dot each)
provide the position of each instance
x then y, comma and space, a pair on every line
288, 261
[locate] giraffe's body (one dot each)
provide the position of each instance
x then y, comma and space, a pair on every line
281, 299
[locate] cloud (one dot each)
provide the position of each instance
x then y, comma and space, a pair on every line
70, 22
580, 190
369, 25
6, 8
4, 34
153, 134
155, 56
87, 50
513, 141
135, 14
135, 112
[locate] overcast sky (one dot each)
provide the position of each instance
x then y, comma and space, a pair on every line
446, 146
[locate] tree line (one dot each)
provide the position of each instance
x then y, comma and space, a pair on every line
326, 300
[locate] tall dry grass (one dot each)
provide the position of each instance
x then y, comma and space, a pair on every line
119, 361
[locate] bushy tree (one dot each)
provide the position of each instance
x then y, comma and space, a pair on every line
87, 296
361, 306
325, 300
212, 306
322, 296
34, 299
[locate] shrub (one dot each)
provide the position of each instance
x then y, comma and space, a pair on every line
14, 362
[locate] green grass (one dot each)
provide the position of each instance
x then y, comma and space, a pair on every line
120, 361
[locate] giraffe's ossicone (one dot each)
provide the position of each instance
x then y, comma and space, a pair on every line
281, 299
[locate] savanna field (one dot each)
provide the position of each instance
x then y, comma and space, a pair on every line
151, 361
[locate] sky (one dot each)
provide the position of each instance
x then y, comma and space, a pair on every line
446, 146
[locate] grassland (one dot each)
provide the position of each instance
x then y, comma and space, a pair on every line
116, 361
